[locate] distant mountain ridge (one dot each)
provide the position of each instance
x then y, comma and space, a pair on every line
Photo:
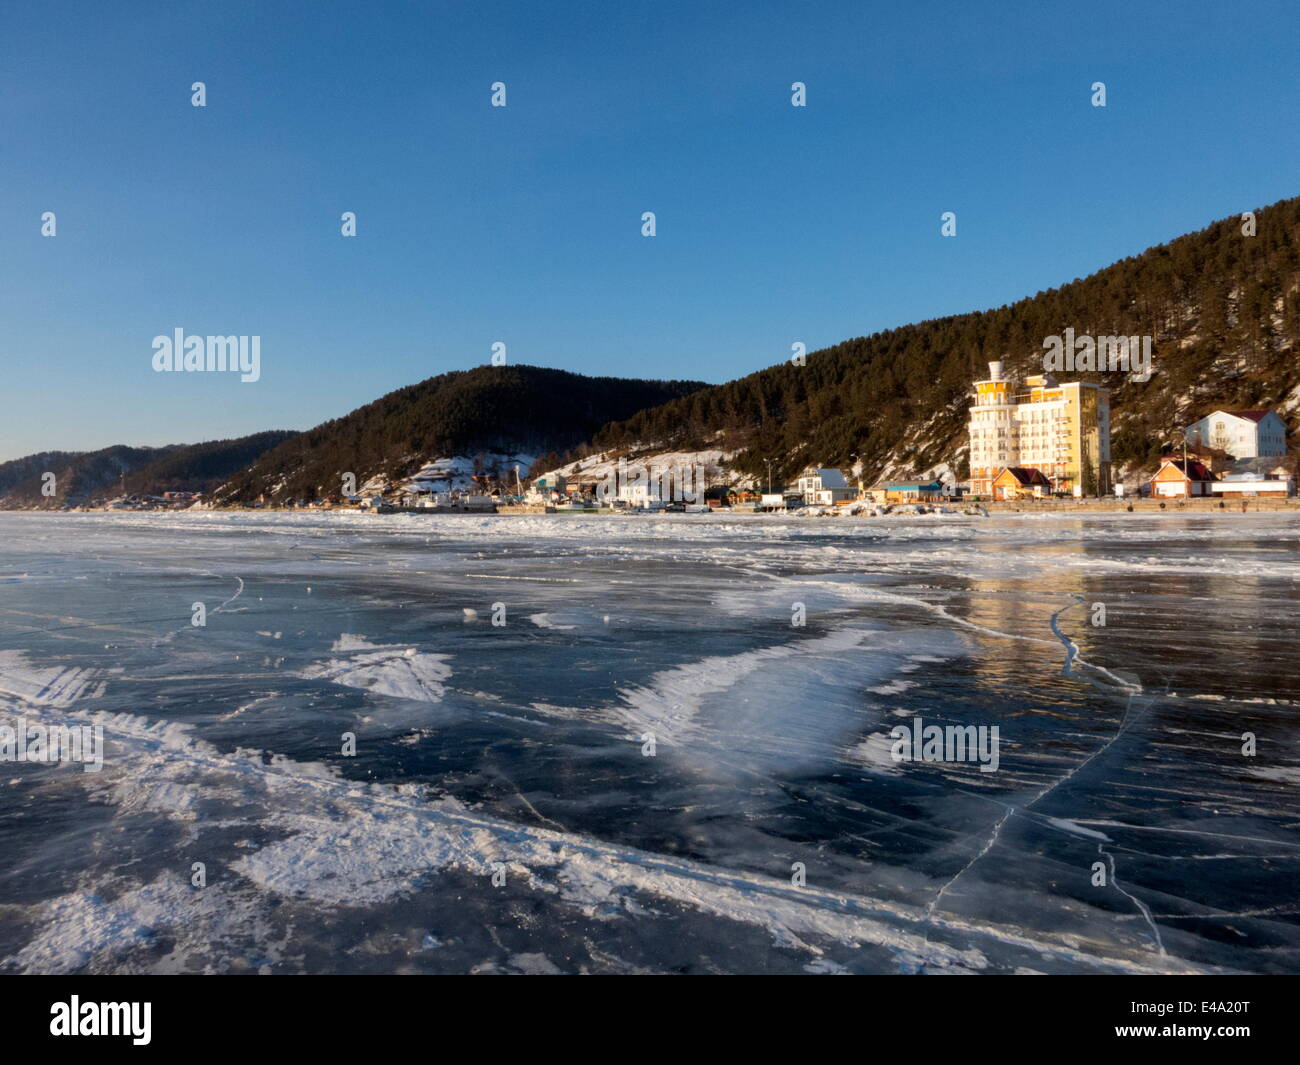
1222, 308
83, 476
498, 409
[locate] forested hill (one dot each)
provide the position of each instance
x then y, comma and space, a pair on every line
1222, 307
82, 476
503, 409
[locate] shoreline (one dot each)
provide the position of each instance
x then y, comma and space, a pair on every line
1208, 505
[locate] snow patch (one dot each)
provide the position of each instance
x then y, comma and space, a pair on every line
402, 672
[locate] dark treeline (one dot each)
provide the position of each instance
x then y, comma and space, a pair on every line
513, 409
1222, 307
17, 472
81, 476
203, 467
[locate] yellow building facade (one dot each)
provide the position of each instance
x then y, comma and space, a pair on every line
1063, 430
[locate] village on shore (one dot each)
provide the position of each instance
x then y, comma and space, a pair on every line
1037, 442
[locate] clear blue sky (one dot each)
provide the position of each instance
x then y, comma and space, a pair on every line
478, 224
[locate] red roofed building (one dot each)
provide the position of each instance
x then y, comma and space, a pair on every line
1177, 479
1021, 482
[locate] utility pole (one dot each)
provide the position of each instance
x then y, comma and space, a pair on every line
1182, 434
1187, 474
769, 475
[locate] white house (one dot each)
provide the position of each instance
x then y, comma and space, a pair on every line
1243, 434
824, 485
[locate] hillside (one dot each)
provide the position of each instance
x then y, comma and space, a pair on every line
1223, 310
83, 476
501, 410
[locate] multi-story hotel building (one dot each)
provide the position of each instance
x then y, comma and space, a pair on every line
1061, 430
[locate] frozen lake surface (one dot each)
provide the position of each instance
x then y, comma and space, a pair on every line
646, 764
